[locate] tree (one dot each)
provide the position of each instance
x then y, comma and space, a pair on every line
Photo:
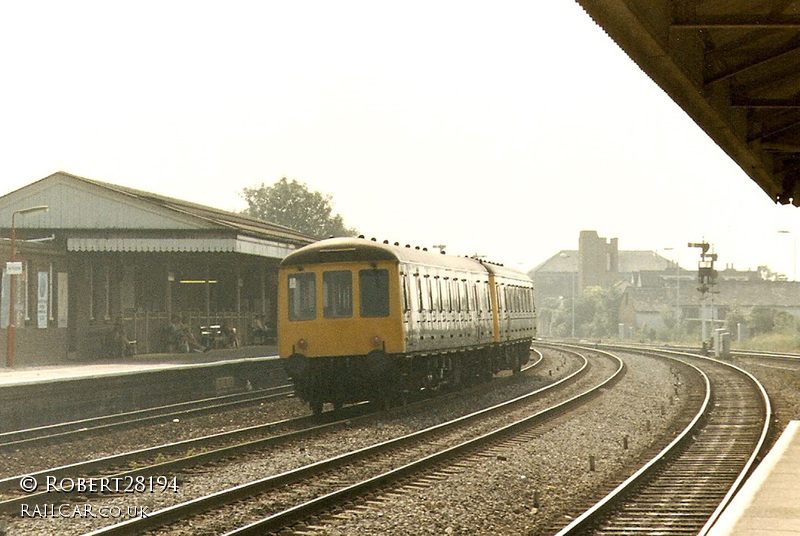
768, 275
596, 314
293, 205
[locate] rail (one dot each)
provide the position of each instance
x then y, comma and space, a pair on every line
690, 440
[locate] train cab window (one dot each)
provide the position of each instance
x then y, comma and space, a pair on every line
302, 296
374, 292
337, 292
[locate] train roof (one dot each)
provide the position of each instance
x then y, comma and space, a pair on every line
361, 249
504, 271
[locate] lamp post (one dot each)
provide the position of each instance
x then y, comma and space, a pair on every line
677, 297
573, 275
12, 287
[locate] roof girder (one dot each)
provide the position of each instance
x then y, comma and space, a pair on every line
732, 66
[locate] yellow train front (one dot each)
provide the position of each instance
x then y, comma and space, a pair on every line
362, 320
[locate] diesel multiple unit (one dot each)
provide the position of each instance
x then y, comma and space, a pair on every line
362, 320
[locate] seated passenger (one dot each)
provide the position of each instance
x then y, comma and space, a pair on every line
182, 338
117, 343
229, 335
259, 333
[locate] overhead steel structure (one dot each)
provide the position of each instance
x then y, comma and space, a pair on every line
732, 65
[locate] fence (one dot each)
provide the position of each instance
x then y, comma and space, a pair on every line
151, 331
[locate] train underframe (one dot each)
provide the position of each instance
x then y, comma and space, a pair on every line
394, 379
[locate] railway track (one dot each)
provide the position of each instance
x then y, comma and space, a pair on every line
172, 457
192, 453
319, 485
70, 430
683, 489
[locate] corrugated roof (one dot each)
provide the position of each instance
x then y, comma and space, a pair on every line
217, 216
120, 208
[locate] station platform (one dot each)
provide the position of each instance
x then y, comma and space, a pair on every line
769, 502
45, 395
133, 364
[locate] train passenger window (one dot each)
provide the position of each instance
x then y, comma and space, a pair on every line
419, 292
374, 292
337, 294
406, 297
302, 296
451, 302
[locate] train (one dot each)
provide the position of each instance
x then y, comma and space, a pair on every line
360, 319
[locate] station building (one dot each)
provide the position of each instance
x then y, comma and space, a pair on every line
104, 254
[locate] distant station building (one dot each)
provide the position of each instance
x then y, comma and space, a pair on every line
598, 262
656, 294
119, 255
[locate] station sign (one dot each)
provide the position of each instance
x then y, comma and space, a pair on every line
14, 268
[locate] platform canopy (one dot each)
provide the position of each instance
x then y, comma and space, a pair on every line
95, 216
732, 65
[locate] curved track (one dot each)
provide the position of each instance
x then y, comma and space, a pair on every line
684, 488
425, 449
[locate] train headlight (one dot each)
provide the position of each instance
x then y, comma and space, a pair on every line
377, 342
302, 344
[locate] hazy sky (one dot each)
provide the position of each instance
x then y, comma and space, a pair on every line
500, 129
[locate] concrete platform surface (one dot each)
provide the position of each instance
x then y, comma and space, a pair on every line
138, 363
769, 502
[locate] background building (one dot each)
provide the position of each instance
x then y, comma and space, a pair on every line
651, 297
121, 254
